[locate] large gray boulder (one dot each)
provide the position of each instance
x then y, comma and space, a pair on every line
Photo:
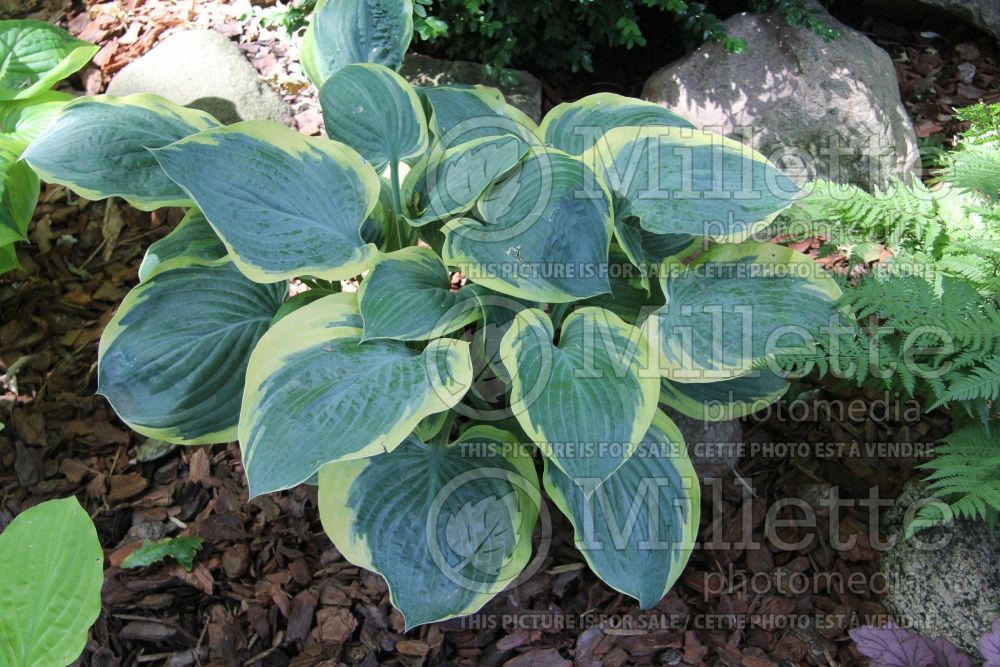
945, 580
203, 69
984, 14
525, 93
828, 110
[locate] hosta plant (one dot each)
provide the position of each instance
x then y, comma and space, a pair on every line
525, 294
35, 56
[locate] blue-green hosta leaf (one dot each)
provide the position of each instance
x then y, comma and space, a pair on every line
295, 205
576, 126
648, 251
26, 120
97, 146
407, 296
316, 393
172, 360
192, 238
50, 595
19, 189
633, 296
35, 55
376, 112
586, 402
737, 304
181, 549
459, 114
638, 528
545, 235
676, 180
447, 527
449, 182
344, 32
725, 400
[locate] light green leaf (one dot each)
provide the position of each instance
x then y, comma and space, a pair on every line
407, 296
725, 400
97, 146
460, 114
545, 233
737, 304
8, 258
50, 593
344, 32
637, 529
576, 126
448, 183
376, 112
677, 180
447, 527
172, 360
181, 549
193, 238
295, 205
316, 393
19, 189
35, 55
26, 120
586, 402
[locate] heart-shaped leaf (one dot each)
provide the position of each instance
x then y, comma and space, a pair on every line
587, 402
97, 146
407, 296
447, 527
52, 566
636, 529
37, 55
172, 360
545, 233
294, 207
376, 112
316, 393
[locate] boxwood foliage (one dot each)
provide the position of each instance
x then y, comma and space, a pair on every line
525, 292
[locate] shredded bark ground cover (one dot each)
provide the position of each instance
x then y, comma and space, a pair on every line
268, 588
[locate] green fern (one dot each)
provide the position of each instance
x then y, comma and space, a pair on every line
981, 383
966, 475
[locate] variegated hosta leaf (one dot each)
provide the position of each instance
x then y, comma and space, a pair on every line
588, 401
344, 32
649, 251
172, 360
19, 188
463, 113
447, 527
295, 205
676, 180
545, 236
407, 296
576, 126
637, 529
26, 120
376, 112
52, 566
316, 393
449, 182
193, 238
725, 400
36, 55
736, 304
97, 146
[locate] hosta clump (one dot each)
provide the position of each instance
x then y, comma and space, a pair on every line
607, 269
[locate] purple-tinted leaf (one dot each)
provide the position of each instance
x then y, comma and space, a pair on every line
989, 646
892, 647
947, 654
